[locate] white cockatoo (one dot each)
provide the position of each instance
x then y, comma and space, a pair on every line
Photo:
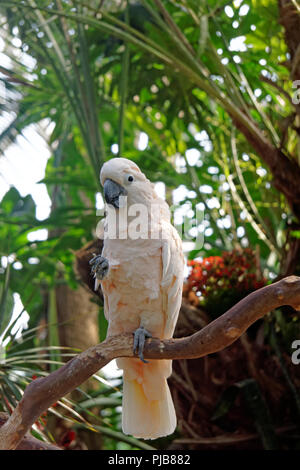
141, 275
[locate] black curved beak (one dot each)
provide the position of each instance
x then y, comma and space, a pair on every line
112, 192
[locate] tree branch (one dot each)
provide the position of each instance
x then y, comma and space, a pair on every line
29, 442
217, 335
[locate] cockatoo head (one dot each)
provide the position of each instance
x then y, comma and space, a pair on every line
122, 177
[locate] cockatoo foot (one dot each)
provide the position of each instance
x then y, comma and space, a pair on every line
140, 336
99, 268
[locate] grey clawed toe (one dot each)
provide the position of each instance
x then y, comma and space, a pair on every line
99, 268
140, 336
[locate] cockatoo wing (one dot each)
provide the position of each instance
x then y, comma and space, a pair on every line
105, 308
172, 278
100, 229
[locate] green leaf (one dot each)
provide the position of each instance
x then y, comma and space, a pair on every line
225, 402
104, 402
295, 233
103, 325
257, 408
260, 412
6, 302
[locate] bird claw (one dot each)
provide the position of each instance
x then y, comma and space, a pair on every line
140, 336
99, 268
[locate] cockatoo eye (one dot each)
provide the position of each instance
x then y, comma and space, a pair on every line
130, 178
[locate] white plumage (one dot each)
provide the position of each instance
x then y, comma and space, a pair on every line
143, 287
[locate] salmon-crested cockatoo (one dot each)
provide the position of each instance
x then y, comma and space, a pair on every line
141, 275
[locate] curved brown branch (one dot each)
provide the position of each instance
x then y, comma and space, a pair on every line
217, 335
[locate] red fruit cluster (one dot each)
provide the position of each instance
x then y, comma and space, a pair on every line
233, 270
